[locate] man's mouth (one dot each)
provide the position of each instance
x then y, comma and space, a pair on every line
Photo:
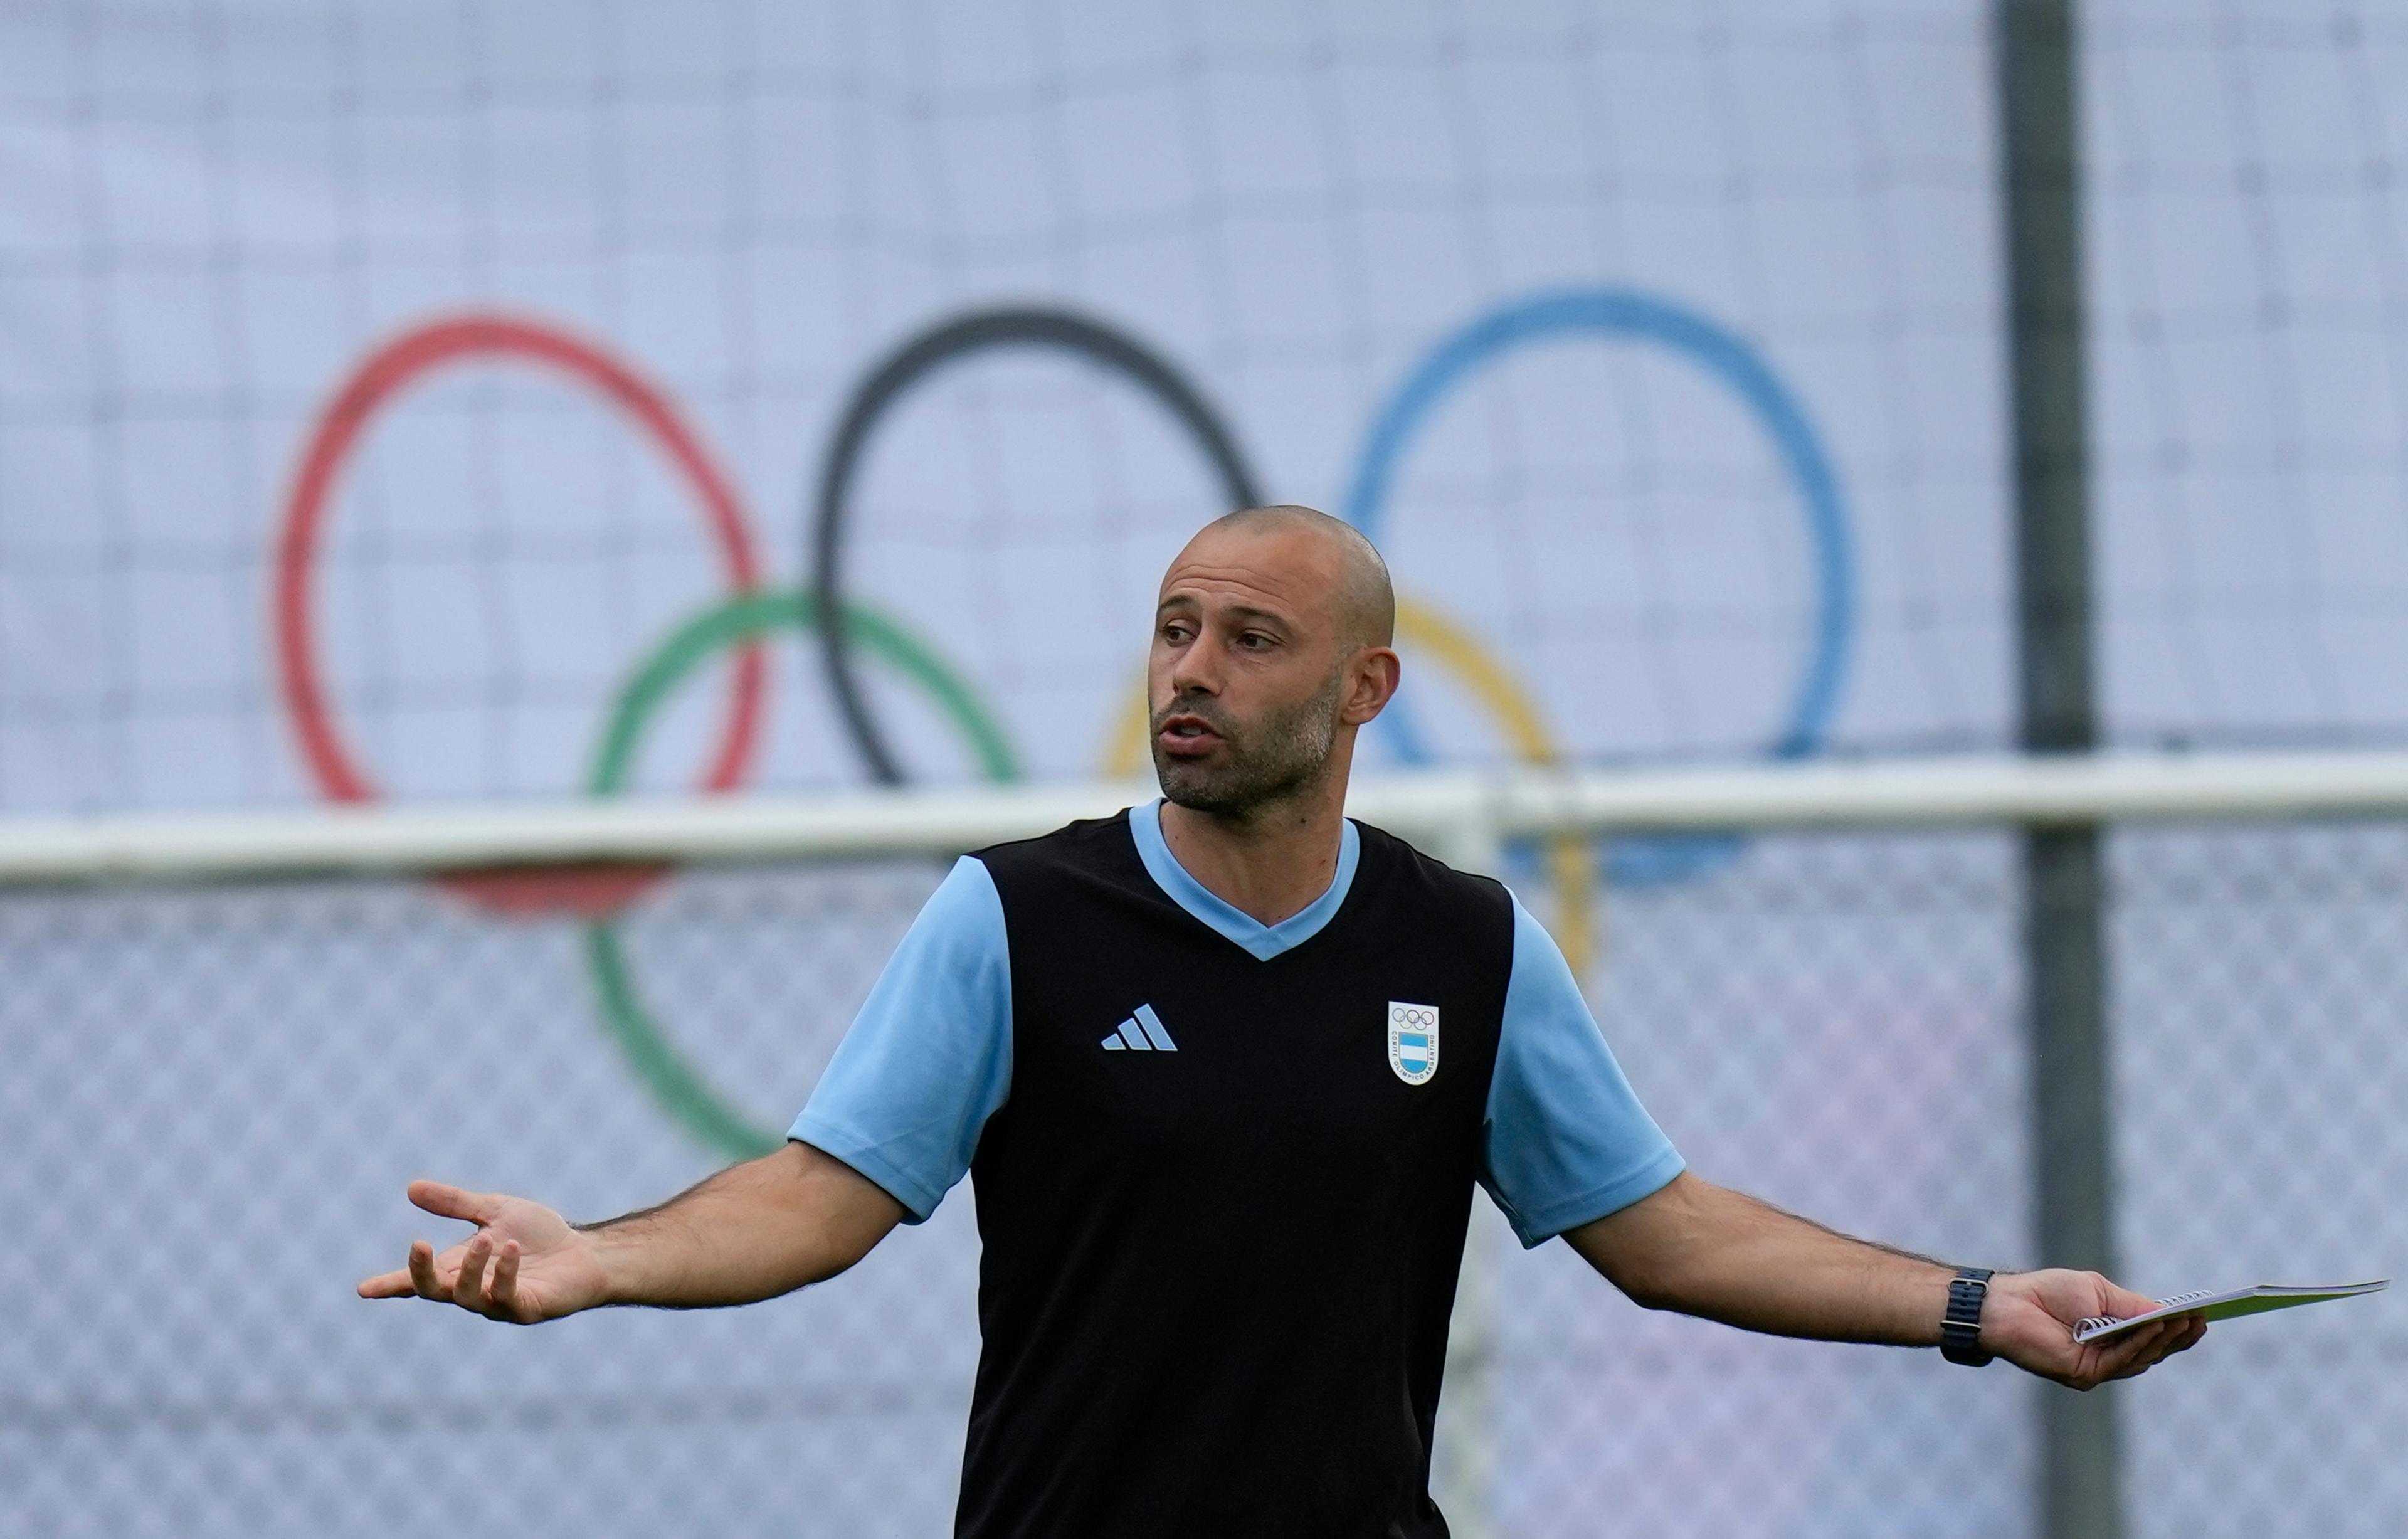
1190, 733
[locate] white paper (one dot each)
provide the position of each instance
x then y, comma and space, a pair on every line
2220, 1306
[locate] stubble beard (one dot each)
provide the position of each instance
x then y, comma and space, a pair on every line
1264, 763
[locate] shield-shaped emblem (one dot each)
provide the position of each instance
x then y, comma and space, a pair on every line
1413, 1041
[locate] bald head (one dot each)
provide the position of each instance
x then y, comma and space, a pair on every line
1270, 650
1366, 603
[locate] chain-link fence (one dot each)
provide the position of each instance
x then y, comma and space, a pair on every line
213, 1096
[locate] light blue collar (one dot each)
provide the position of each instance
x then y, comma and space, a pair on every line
1262, 942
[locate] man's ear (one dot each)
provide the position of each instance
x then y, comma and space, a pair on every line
1375, 673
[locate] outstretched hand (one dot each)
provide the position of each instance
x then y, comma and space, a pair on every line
524, 1265
2030, 1316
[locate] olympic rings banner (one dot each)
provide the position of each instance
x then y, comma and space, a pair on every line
1608, 313
382, 517
858, 631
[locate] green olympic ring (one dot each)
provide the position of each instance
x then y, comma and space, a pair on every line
664, 1071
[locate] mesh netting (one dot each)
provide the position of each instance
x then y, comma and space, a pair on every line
215, 1095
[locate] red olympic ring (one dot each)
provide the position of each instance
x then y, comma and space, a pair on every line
377, 379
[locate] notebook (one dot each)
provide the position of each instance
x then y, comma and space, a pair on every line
2224, 1306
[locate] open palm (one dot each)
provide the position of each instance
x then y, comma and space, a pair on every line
524, 1265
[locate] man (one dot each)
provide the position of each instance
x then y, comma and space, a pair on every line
1226, 1068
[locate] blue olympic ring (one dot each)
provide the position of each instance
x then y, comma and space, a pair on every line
1621, 312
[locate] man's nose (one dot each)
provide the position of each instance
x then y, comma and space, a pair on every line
1194, 671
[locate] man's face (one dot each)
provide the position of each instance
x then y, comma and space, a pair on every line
1247, 670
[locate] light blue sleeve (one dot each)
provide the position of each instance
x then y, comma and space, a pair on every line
1567, 1139
930, 1057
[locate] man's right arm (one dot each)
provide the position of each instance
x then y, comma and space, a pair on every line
752, 1231
891, 1125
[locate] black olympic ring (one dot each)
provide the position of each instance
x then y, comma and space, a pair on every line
1060, 330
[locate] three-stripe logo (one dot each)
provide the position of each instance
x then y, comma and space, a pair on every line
1140, 1033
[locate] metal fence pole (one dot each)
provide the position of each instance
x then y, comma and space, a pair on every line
1463, 1475
2063, 917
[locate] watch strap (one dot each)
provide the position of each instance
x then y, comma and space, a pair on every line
1960, 1329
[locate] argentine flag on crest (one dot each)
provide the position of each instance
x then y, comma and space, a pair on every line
1413, 1041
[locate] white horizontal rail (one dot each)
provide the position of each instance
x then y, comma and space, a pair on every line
1464, 810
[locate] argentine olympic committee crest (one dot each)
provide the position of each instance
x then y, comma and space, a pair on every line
1413, 1041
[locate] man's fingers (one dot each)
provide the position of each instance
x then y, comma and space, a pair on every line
2150, 1344
2142, 1361
452, 1203
2122, 1357
468, 1292
504, 1288
423, 1278
2123, 1304
2138, 1353
2160, 1336
2114, 1357
2182, 1333
485, 1278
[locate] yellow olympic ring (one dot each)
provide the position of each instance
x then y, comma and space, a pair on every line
1569, 861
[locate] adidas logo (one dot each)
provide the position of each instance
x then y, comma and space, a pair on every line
1140, 1033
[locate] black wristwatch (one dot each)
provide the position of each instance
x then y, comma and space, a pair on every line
1960, 1329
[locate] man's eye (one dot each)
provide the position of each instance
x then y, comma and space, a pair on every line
1255, 639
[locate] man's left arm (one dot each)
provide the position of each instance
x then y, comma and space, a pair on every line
1706, 1250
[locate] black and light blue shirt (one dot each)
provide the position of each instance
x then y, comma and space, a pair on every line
930, 1056
1223, 1169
